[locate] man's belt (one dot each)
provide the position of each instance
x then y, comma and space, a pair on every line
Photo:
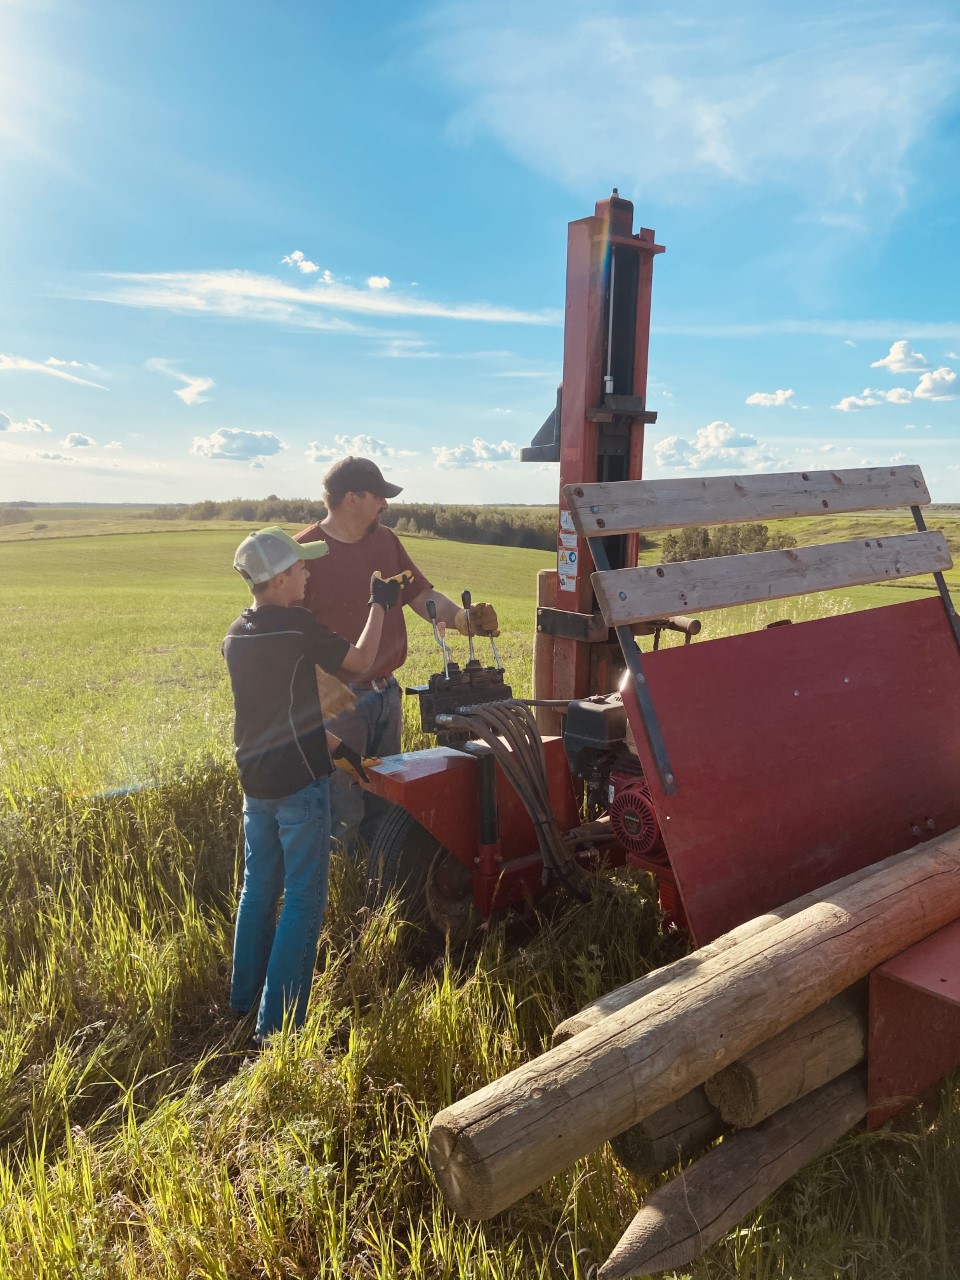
366, 686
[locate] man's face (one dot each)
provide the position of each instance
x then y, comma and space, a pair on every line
369, 507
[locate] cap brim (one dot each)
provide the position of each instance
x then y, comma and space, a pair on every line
391, 490
313, 550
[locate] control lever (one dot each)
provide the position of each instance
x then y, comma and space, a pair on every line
465, 600
438, 635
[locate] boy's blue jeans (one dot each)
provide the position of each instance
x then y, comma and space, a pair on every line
287, 853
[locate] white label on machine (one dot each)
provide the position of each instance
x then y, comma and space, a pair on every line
566, 561
567, 581
566, 521
568, 540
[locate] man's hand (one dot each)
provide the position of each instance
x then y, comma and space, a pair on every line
483, 620
384, 591
346, 758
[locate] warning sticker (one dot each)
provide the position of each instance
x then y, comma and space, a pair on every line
566, 521
566, 560
567, 540
567, 581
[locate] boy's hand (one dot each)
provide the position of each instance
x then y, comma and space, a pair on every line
345, 757
384, 591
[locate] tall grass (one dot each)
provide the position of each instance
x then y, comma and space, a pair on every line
139, 1138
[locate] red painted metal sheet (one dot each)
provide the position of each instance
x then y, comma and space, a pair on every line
803, 753
914, 1036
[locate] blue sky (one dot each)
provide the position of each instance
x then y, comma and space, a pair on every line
238, 240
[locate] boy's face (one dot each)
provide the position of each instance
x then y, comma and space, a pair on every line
294, 581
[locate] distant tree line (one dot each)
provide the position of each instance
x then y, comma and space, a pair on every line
696, 543
532, 527
14, 514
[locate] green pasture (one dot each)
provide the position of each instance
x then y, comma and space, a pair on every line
139, 1139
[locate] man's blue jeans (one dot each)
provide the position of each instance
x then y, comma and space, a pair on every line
287, 853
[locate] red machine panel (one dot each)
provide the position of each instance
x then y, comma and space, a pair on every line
800, 755
439, 788
914, 1023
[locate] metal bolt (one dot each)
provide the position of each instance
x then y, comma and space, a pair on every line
930, 824
623, 595
915, 830
601, 524
668, 778
846, 679
594, 510
476, 862
796, 693
578, 492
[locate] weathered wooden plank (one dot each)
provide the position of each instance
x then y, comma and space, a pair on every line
641, 506
500, 1143
695, 586
694, 1210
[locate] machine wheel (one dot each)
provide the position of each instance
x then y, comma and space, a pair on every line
435, 889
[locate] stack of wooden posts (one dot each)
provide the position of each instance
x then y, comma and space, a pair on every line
758, 1036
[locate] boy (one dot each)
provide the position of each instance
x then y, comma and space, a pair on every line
284, 757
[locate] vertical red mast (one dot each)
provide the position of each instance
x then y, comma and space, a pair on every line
596, 433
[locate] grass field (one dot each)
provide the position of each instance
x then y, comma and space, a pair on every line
136, 1137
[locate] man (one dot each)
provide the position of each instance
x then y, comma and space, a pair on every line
356, 495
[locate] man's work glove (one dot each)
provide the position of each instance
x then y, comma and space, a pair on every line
334, 696
345, 757
483, 620
385, 591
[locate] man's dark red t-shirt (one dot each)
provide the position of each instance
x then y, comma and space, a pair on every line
338, 589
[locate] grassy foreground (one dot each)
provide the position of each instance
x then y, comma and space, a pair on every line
137, 1139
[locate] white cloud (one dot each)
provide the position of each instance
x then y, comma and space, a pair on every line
951, 355
897, 458
113, 444
936, 385
256, 466
76, 440
901, 358
769, 399
236, 445
714, 445
378, 282
64, 364
52, 457
296, 259
191, 392
359, 446
246, 295
827, 101
31, 424
479, 454
21, 364
869, 397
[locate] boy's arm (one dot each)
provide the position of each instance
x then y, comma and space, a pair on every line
384, 594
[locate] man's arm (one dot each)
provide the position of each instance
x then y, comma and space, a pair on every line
483, 617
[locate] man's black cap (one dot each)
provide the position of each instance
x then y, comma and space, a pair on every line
358, 475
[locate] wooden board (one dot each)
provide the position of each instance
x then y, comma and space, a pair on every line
803, 753
695, 586
639, 506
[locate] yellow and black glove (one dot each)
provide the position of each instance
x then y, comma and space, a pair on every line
483, 620
344, 757
386, 591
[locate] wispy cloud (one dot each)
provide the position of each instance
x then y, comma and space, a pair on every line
359, 446
770, 399
30, 424
247, 295
863, 330
826, 101
191, 392
935, 384
478, 454
21, 364
232, 444
77, 440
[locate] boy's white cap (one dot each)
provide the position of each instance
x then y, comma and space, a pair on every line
269, 551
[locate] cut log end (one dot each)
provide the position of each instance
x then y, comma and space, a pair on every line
465, 1182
